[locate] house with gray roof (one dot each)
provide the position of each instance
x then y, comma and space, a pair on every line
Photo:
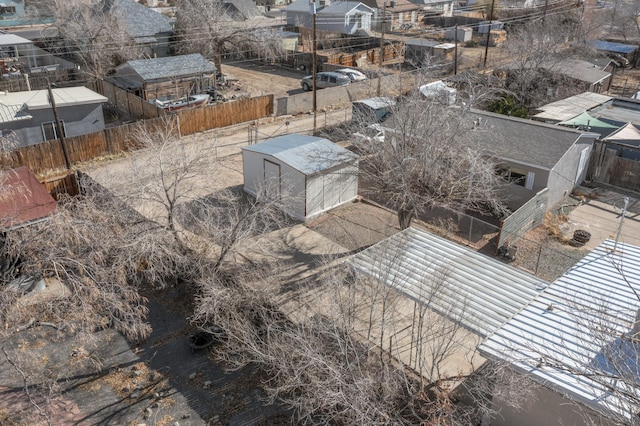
171, 77
150, 30
308, 174
29, 115
534, 156
344, 17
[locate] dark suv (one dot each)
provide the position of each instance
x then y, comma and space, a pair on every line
325, 79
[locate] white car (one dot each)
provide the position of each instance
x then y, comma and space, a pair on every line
354, 75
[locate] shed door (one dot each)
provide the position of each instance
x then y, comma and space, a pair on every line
272, 179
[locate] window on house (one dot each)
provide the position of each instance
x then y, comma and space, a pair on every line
50, 131
514, 175
7, 9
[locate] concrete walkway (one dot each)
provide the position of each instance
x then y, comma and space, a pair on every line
602, 216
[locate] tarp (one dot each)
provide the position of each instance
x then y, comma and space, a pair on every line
628, 132
610, 46
585, 120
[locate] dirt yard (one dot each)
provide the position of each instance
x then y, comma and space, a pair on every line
256, 79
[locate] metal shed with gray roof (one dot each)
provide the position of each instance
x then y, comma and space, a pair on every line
309, 174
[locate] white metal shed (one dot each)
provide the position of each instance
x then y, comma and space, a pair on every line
310, 174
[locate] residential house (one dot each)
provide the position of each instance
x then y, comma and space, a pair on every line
151, 30
344, 17
534, 156
29, 115
172, 77
16, 52
578, 339
241, 9
13, 13
309, 174
399, 14
23, 199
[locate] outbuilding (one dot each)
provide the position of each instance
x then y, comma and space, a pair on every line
310, 174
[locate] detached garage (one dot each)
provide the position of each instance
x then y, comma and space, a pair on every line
311, 174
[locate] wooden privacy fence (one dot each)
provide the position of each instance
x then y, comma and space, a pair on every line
224, 114
47, 158
137, 107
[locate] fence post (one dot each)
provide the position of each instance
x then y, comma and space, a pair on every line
538, 261
470, 231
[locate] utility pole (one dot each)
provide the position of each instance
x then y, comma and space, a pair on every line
455, 50
314, 65
486, 47
59, 129
380, 59
544, 13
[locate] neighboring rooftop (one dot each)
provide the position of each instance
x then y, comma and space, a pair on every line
343, 7
609, 46
171, 66
23, 199
581, 70
457, 282
39, 99
618, 111
570, 107
566, 337
307, 154
139, 20
523, 141
7, 39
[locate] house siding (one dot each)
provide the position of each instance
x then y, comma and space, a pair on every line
78, 120
515, 195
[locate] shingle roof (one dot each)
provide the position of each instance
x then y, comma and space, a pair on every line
23, 199
524, 141
575, 324
171, 66
139, 20
480, 292
307, 154
343, 7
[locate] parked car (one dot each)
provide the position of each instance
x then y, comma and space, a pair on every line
354, 75
325, 79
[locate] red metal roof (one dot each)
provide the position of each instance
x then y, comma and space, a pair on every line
23, 198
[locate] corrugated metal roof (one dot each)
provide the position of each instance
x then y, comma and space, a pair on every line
13, 40
595, 296
171, 66
307, 154
570, 107
480, 292
39, 99
610, 46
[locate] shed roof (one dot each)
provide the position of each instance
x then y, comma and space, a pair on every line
455, 281
554, 338
7, 39
523, 141
298, 6
610, 46
307, 154
39, 99
618, 111
377, 103
171, 66
23, 199
139, 20
570, 107
582, 70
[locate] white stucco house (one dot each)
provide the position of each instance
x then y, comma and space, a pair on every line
309, 174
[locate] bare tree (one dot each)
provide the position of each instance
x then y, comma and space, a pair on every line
210, 28
427, 158
90, 34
